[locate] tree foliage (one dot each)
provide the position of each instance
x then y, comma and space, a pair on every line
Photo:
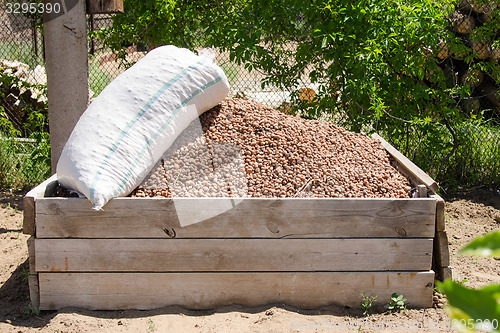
152, 23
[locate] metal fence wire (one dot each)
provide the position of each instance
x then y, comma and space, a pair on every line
475, 160
21, 41
244, 83
22, 61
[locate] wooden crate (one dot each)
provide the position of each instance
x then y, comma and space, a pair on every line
145, 253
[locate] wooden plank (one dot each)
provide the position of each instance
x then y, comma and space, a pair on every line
170, 255
441, 255
402, 169
28, 215
446, 273
104, 6
31, 254
441, 243
111, 291
443, 273
222, 218
34, 290
422, 191
412, 169
440, 220
29, 203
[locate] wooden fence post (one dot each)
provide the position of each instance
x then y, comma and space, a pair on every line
104, 6
66, 62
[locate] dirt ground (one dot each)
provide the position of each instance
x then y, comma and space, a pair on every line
467, 215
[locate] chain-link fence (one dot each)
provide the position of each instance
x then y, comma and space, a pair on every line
244, 83
469, 156
22, 68
21, 41
479, 158
467, 55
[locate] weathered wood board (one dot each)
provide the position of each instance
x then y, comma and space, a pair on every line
440, 220
194, 255
110, 291
104, 6
34, 290
251, 217
29, 199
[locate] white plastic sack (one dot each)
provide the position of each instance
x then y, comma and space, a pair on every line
135, 119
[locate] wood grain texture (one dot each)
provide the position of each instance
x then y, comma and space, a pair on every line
31, 254
440, 206
441, 250
443, 273
104, 6
223, 218
446, 273
422, 191
170, 255
111, 291
28, 215
441, 256
29, 211
409, 167
34, 290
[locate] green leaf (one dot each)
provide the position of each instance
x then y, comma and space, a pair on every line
478, 304
324, 42
484, 246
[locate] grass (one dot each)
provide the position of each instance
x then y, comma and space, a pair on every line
23, 165
475, 161
21, 51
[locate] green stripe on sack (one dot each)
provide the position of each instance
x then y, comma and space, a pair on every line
138, 116
148, 143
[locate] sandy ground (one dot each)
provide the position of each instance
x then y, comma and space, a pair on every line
467, 215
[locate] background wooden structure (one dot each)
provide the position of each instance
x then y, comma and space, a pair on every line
104, 6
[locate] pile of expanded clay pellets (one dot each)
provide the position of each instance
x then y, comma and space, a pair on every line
242, 148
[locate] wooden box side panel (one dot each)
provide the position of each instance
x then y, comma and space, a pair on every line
111, 291
238, 218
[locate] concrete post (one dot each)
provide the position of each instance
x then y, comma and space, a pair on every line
66, 61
